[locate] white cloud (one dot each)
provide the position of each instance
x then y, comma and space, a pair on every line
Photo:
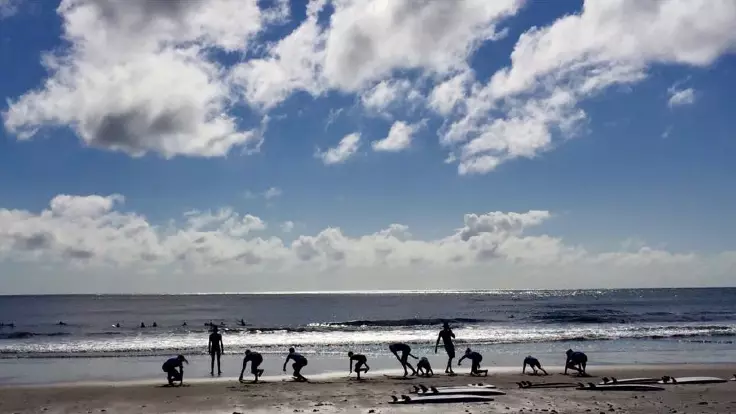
345, 149
8, 8
272, 192
398, 139
91, 233
388, 94
680, 97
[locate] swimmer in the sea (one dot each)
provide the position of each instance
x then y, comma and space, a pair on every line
576, 361
215, 348
475, 358
299, 362
424, 368
255, 359
405, 350
361, 364
533, 364
446, 335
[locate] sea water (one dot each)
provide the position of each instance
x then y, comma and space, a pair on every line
611, 326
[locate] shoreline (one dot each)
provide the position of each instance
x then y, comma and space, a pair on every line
342, 395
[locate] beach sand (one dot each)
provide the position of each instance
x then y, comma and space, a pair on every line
343, 395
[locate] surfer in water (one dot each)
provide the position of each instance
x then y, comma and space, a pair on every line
361, 363
215, 348
404, 358
446, 335
241, 322
475, 359
299, 363
170, 366
533, 364
255, 359
576, 361
424, 368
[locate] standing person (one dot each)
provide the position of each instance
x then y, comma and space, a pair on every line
475, 358
170, 366
533, 364
360, 361
215, 347
405, 350
255, 359
299, 362
446, 335
577, 361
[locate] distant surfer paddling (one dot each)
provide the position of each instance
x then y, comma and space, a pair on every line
533, 364
404, 358
475, 359
215, 348
255, 360
576, 361
299, 362
170, 368
446, 335
361, 363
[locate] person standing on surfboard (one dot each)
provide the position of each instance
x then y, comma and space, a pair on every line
215, 348
405, 354
577, 361
446, 335
475, 358
299, 362
533, 364
361, 363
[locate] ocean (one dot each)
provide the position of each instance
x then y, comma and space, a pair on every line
625, 326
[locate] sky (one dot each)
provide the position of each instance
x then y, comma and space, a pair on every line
170, 146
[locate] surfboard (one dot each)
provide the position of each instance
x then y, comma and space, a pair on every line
461, 391
439, 399
734, 377
398, 377
618, 387
529, 384
419, 388
642, 380
691, 380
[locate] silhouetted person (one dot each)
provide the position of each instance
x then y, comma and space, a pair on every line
62, 323
475, 359
446, 335
117, 325
143, 325
361, 363
155, 325
241, 322
424, 368
404, 358
215, 347
184, 324
170, 366
576, 360
255, 361
299, 363
533, 364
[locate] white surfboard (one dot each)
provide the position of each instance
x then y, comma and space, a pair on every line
421, 388
642, 380
462, 391
619, 387
529, 384
439, 399
690, 380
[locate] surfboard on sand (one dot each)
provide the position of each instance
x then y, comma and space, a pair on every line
734, 377
618, 387
690, 380
461, 391
439, 399
529, 384
423, 388
398, 377
642, 380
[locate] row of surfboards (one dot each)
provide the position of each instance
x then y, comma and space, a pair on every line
481, 392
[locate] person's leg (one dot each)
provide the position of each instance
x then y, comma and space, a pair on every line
298, 371
404, 362
170, 377
219, 371
583, 365
255, 371
358, 368
212, 363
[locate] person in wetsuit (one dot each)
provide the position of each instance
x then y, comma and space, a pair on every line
215, 348
475, 358
361, 364
170, 366
446, 335
255, 359
424, 368
299, 362
577, 361
533, 364
405, 350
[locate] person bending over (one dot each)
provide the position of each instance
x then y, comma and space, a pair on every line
424, 368
576, 361
255, 360
170, 366
446, 335
216, 348
299, 363
361, 364
475, 359
404, 358
533, 364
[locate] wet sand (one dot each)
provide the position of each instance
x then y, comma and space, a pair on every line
343, 395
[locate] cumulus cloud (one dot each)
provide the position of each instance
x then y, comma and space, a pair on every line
345, 149
680, 97
8, 8
287, 226
398, 139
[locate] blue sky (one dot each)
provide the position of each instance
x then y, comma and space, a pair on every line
640, 162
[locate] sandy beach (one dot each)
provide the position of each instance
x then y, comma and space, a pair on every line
342, 395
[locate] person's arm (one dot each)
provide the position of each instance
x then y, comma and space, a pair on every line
412, 356
245, 362
209, 345
288, 357
351, 365
436, 345
452, 334
523, 369
222, 345
459, 361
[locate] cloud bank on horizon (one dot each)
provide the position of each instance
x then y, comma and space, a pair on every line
207, 79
